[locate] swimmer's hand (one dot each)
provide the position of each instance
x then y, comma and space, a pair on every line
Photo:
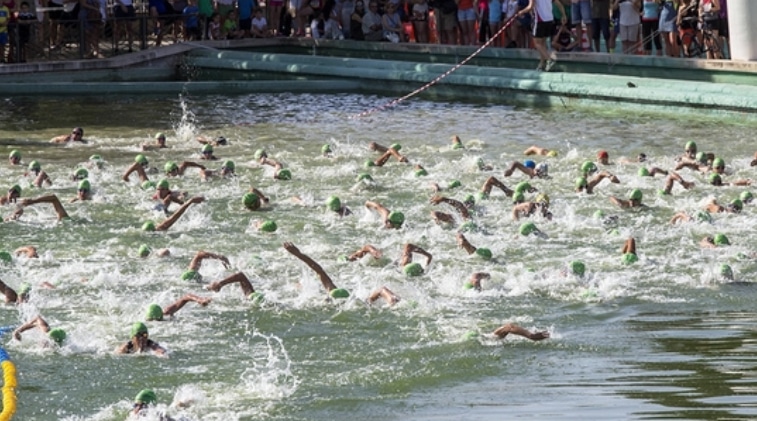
290, 247
215, 286
537, 336
197, 199
436, 199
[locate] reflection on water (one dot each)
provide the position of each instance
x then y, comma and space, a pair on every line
665, 337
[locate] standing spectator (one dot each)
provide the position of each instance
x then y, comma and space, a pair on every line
467, 15
356, 21
5, 15
244, 10
446, 15
650, 21
12, 29
667, 27
162, 14
629, 23
259, 25
273, 8
509, 9
206, 11
124, 16
709, 13
53, 17
600, 23
372, 26
524, 25
724, 28
420, 20
580, 11
90, 17
192, 31
25, 21
543, 29
394, 31
495, 21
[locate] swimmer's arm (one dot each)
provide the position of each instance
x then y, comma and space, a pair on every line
508, 328
463, 242
156, 348
707, 242
415, 249
201, 255
381, 149
312, 264
10, 293
260, 194
619, 202
441, 217
15, 215
50, 198
390, 297
459, 206
165, 225
42, 178
29, 251
135, 167
378, 208
60, 139
189, 164
520, 208
178, 304
38, 322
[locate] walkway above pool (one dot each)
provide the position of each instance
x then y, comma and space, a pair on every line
495, 75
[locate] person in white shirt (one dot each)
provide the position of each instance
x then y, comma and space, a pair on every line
630, 20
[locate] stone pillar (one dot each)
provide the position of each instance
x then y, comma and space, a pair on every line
742, 29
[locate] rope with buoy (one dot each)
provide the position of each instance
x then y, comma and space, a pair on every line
9, 381
440, 77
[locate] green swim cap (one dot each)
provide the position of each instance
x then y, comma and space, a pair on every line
15, 154
421, 173
333, 203
84, 185
58, 335
34, 166
519, 197
268, 226
81, 174
599, 214
250, 200
458, 145
721, 240
726, 271
207, 148
144, 250
148, 226
229, 165
25, 288
737, 204
148, 185
170, 167
190, 275
138, 328
256, 297
369, 163
528, 228
468, 226
364, 176
6, 257
578, 268
629, 258
484, 253
635, 194
468, 285
396, 218
701, 157
703, 216
154, 312
454, 184
96, 157
395, 146
643, 172
141, 159
469, 199
480, 163
662, 192
146, 396
746, 196
284, 174
17, 189
160, 136
260, 153
690, 145
413, 269
581, 182
552, 153
339, 293
588, 167
522, 187
470, 335
714, 178
326, 149
481, 196
718, 163
163, 184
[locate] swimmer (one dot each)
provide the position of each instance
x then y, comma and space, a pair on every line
196, 263
651, 172
474, 282
407, 256
634, 200
373, 146
279, 172
160, 143
156, 313
51, 198
685, 217
366, 249
689, 152
139, 166
509, 328
207, 153
391, 219
143, 400
145, 251
219, 141
754, 160
28, 251
583, 185
701, 163
463, 242
83, 192
672, 179
457, 143
420, 171
390, 152
237, 278
390, 297
14, 158
529, 168
458, 205
603, 157
57, 335
735, 206
334, 204
326, 281
11, 296
12, 196
252, 199
140, 342
76, 136
226, 170
629, 251
527, 209
451, 185
713, 242
642, 157
39, 175
168, 223
492, 182
172, 169
536, 150
716, 180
